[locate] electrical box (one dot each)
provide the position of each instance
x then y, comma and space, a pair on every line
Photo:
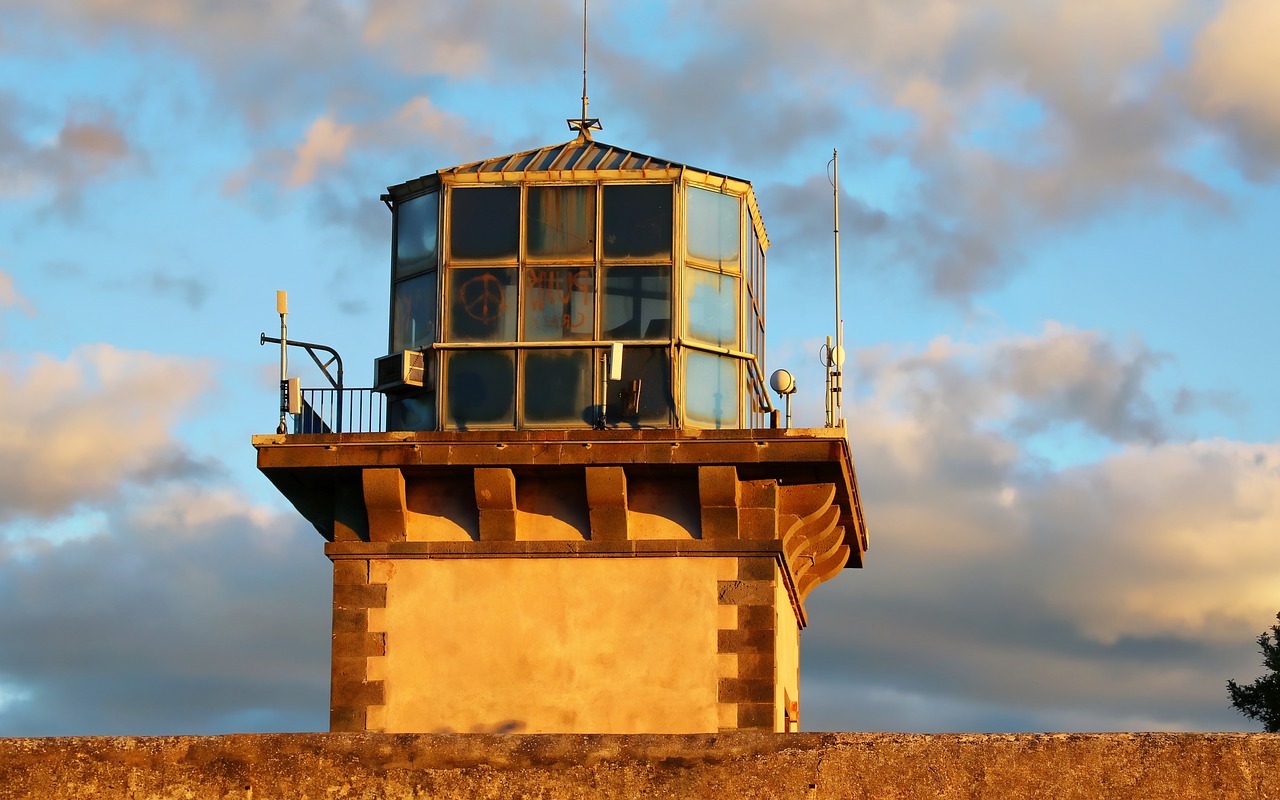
293, 395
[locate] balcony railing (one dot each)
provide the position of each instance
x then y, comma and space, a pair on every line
345, 411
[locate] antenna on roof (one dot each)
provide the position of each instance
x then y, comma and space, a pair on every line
584, 124
833, 354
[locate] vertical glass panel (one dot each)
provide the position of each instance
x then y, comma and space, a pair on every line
417, 243
714, 227
637, 303
647, 369
484, 223
637, 221
561, 222
711, 390
559, 303
481, 388
413, 313
482, 305
711, 300
412, 412
557, 388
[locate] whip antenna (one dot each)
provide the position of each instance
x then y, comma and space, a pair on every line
833, 355
584, 124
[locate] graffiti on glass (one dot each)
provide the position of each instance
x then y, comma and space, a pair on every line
483, 298
549, 294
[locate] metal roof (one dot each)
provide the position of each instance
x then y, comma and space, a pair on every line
582, 154
579, 154
578, 159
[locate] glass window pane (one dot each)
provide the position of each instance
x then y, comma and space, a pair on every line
711, 390
637, 221
557, 388
714, 227
711, 300
482, 305
413, 313
637, 303
559, 303
481, 388
562, 221
484, 222
417, 221
651, 367
412, 412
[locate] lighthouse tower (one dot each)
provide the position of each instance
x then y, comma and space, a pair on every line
566, 504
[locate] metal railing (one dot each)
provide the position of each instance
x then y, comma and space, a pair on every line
341, 411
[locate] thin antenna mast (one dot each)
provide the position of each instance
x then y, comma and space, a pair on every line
584, 124
835, 353
584, 59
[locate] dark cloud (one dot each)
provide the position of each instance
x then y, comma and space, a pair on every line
174, 619
485, 37
1062, 377
1081, 377
1193, 401
1004, 594
190, 290
1011, 134
89, 146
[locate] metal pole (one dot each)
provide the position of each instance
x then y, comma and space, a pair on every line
584, 65
282, 307
837, 354
604, 396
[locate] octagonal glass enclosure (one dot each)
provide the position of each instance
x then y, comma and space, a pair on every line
517, 277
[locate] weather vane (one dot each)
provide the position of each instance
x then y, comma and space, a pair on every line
584, 124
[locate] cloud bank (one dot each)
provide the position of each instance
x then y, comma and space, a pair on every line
1003, 593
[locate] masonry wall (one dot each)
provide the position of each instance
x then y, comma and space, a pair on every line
754, 765
549, 644
609, 642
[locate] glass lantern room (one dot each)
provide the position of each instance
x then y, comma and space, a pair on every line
517, 279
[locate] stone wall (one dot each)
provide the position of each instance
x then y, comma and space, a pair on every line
754, 765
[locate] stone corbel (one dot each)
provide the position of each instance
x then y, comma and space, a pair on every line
384, 500
496, 500
607, 503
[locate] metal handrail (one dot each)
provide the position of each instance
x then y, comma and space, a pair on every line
341, 411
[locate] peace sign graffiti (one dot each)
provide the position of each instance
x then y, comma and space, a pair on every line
484, 298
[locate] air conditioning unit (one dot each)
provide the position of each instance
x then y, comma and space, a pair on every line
400, 372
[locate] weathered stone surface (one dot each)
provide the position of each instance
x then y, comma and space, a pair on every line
322, 475
756, 765
385, 500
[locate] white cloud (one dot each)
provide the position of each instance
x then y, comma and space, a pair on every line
10, 297
1177, 540
330, 147
1120, 593
1235, 79
80, 429
326, 142
1017, 119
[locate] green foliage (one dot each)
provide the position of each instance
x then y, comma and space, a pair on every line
1260, 700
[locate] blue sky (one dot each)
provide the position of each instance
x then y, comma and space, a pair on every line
1060, 291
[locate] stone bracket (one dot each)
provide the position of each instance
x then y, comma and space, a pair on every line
384, 498
496, 501
607, 503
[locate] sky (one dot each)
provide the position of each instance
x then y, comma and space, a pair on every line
1059, 284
